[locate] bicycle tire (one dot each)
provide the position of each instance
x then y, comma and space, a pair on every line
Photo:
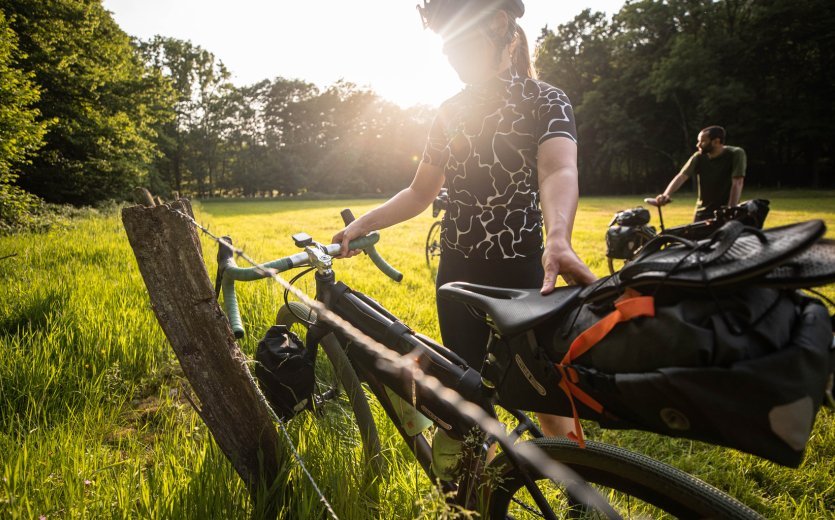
637, 476
289, 315
433, 247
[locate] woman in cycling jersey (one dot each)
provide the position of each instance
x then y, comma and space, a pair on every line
506, 149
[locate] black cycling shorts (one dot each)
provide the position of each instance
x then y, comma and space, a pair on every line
461, 332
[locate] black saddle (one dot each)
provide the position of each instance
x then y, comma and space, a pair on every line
512, 310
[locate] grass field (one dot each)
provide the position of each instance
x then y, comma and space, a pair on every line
93, 423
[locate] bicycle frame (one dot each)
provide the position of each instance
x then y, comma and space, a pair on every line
623, 472
625, 240
380, 325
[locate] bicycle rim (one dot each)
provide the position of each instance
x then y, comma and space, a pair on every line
340, 371
433, 248
635, 485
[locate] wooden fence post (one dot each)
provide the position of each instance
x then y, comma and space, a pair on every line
167, 249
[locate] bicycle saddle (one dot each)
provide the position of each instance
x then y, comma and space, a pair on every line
512, 310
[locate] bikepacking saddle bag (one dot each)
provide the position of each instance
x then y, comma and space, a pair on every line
284, 369
746, 362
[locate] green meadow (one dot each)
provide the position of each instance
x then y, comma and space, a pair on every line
94, 422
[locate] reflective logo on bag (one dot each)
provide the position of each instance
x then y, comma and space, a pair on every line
529, 376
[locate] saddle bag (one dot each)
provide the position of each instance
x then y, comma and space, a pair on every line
746, 368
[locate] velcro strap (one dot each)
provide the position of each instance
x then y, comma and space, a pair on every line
393, 332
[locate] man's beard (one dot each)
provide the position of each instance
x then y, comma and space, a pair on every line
704, 150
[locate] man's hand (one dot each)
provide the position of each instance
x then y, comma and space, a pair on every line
560, 259
663, 199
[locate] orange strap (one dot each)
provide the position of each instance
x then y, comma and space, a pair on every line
630, 305
627, 307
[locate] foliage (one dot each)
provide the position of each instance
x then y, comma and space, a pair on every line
87, 114
647, 80
20, 132
101, 103
279, 136
94, 423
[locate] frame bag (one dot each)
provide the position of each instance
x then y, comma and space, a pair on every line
285, 371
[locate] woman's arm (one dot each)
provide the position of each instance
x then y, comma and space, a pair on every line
559, 193
404, 205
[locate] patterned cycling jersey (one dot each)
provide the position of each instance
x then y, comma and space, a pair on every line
486, 139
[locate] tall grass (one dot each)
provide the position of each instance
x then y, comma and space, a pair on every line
93, 423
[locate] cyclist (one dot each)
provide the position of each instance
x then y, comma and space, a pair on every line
720, 170
506, 149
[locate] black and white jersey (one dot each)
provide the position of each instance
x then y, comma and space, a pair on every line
486, 138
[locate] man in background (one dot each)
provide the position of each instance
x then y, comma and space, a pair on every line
719, 170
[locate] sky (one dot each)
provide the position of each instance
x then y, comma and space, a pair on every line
379, 44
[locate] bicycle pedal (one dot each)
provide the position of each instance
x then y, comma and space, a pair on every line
328, 395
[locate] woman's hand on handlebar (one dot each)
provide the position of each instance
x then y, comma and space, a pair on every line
560, 259
353, 230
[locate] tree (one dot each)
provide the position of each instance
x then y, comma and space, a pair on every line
21, 132
97, 96
192, 140
645, 82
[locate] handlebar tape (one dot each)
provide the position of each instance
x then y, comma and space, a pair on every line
228, 272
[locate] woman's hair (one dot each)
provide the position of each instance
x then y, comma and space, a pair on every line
520, 55
447, 17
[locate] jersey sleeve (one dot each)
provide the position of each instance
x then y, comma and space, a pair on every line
436, 151
689, 168
555, 115
740, 163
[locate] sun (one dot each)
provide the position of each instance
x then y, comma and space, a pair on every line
414, 71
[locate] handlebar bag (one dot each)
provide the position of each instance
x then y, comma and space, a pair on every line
747, 368
285, 371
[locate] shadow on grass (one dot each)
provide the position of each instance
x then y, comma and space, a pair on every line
34, 313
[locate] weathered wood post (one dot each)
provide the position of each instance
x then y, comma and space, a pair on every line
167, 249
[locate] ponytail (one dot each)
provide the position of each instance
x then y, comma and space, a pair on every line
520, 54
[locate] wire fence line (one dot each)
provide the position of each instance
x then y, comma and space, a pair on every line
526, 452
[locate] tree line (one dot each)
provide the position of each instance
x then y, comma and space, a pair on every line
645, 81
87, 113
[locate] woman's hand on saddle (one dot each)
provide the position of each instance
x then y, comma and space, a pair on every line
559, 258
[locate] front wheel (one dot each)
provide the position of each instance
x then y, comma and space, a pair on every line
293, 315
433, 248
635, 485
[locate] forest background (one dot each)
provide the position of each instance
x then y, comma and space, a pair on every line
87, 113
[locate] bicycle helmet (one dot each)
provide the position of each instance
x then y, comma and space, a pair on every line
440, 15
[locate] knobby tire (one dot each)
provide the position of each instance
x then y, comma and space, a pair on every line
650, 481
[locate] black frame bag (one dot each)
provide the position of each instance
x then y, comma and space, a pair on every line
285, 371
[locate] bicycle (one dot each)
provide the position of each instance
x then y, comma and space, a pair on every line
433, 238
629, 230
499, 487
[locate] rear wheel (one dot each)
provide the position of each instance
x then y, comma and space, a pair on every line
635, 485
339, 374
433, 248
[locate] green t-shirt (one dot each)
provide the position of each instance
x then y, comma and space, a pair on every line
714, 175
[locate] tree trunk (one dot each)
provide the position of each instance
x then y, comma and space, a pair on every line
167, 249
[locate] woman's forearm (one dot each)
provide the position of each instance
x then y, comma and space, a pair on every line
405, 204
559, 194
